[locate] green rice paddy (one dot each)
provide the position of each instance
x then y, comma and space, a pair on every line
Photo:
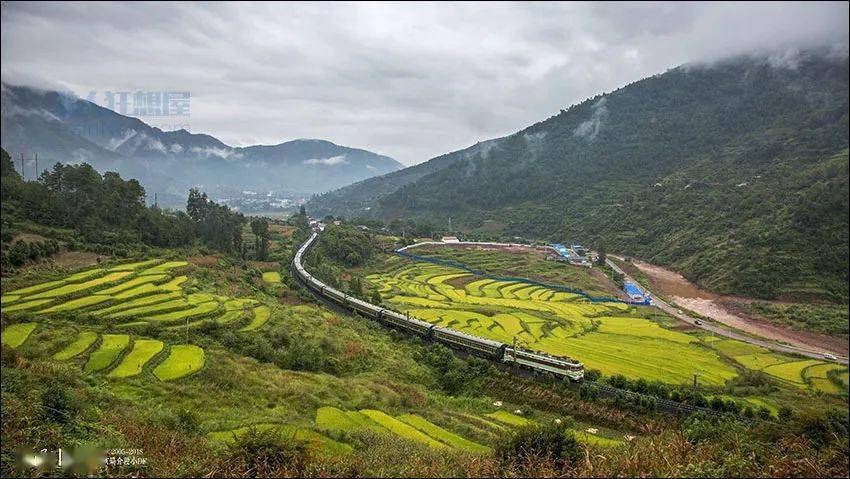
332, 419
111, 346
132, 294
611, 337
14, 335
321, 444
799, 373
272, 277
261, 316
509, 418
143, 351
183, 359
79, 287
83, 342
447, 437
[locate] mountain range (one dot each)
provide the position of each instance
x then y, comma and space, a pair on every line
60, 127
734, 173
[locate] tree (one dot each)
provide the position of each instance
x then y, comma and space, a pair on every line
260, 228
19, 253
601, 253
356, 286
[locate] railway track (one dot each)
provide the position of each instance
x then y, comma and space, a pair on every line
662, 405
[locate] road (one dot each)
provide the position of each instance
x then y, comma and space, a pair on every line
720, 331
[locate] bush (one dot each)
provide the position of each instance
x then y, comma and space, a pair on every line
592, 374
58, 404
266, 453
554, 442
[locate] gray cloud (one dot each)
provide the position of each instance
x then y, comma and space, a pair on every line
407, 80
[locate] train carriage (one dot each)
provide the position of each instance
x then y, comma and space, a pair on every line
559, 366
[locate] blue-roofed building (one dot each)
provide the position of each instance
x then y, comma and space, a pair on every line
634, 292
562, 250
570, 254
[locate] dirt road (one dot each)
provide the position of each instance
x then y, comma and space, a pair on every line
687, 295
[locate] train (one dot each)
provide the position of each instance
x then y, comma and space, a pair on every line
558, 366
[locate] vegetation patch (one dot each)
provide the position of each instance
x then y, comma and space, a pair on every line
261, 316
183, 359
78, 287
447, 437
143, 351
272, 277
319, 443
14, 335
83, 342
509, 418
111, 346
400, 429
333, 419
78, 303
26, 305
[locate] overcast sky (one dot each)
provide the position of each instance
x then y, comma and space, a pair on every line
411, 81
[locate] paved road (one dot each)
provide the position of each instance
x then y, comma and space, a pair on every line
667, 308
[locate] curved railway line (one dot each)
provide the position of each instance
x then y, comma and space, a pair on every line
531, 361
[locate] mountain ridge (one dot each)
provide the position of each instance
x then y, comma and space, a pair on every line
60, 127
676, 168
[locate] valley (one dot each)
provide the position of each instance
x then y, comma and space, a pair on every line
425, 239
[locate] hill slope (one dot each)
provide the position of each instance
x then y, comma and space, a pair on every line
63, 128
734, 173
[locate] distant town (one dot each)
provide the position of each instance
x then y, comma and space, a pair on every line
265, 202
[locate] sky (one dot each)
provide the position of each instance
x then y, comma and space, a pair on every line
408, 80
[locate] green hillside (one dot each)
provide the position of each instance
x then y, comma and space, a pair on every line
734, 173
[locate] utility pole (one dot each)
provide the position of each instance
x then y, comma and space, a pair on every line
23, 173
36, 166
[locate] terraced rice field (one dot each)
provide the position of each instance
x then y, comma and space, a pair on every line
801, 373
83, 342
509, 418
612, 337
588, 436
261, 316
409, 426
143, 351
111, 346
446, 437
323, 445
399, 428
133, 294
271, 277
183, 359
123, 296
15, 334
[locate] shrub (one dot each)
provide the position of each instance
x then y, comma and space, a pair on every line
553, 442
267, 453
57, 403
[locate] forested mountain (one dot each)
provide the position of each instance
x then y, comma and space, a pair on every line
735, 173
62, 128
